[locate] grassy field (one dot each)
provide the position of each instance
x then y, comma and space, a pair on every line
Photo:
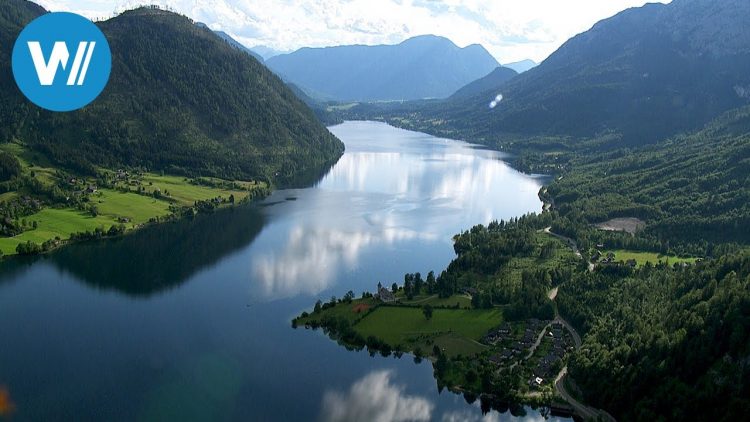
643, 257
457, 331
435, 301
186, 193
346, 311
112, 205
137, 208
55, 222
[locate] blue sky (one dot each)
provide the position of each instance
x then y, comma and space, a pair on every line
511, 30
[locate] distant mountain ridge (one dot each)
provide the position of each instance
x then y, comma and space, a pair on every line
493, 81
522, 66
267, 52
647, 73
233, 42
420, 67
180, 99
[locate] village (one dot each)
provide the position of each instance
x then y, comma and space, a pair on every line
537, 347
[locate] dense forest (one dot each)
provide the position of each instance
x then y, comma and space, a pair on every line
180, 100
690, 189
664, 343
659, 342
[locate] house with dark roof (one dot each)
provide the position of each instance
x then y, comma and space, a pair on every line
385, 295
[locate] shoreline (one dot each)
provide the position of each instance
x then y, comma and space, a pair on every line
81, 227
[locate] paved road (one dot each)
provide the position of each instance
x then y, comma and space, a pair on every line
586, 412
532, 349
572, 243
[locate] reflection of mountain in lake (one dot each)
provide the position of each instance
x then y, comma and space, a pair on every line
160, 257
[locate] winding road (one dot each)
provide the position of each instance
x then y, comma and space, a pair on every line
586, 412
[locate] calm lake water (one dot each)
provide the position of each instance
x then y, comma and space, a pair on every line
191, 320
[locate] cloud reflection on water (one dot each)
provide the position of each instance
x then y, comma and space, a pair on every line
375, 398
312, 256
391, 186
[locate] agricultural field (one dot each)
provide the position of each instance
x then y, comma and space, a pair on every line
51, 223
456, 331
641, 258
129, 200
185, 193
138, 209
463, 301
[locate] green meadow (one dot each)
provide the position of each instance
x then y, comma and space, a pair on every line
457, 331
113, 206
641, 258
185, 193
51, 223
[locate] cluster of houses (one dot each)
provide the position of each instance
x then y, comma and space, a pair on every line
547, 364
518, 346
515, 346
89, 189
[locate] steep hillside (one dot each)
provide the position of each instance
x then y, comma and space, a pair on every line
180, 99
14, 15
421, 67
691, 188
236, 44
491, 82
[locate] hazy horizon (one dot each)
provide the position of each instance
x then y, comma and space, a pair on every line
511, 30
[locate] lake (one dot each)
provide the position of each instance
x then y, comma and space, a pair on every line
192, 320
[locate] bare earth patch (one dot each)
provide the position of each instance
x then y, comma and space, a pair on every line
359, 308
629, 225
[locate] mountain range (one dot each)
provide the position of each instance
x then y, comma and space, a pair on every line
421, 67
522, 66
267, 52
493, 81
233, 42
645, 74
180, 99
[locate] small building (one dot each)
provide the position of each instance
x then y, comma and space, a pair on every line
632, 263
385, 295
91, 189
470, 291
497, 359
536, 382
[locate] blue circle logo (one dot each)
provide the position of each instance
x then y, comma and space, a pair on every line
61, 61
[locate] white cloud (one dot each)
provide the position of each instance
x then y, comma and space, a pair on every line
510, 29
375, 399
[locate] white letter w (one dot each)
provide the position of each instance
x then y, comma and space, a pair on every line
46, 71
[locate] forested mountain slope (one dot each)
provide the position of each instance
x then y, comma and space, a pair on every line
180, 99
645, 74
491, 82
692, 188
